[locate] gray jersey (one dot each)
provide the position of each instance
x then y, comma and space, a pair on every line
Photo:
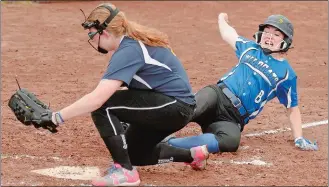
150, 68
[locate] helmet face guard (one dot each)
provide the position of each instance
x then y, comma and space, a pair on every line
281, 23
283, 45
98, 26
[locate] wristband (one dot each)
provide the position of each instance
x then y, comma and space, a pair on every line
59, 118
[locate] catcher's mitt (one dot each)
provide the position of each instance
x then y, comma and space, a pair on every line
30, 110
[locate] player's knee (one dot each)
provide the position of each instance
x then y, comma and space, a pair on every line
102, 123
229, 143
96, 116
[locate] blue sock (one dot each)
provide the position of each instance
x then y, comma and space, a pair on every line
194, 141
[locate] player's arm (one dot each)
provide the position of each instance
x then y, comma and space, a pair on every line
296, 127
287, 95
115, 75
227, 32
91, 101
295, 121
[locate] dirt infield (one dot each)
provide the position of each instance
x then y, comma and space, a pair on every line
46, 46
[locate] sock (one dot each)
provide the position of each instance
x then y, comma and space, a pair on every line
194, 141
169, 153
118, 148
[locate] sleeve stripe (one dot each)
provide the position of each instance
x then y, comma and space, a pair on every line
289, 98
149, 60
139, 79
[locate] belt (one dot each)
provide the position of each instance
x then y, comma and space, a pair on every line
236, 102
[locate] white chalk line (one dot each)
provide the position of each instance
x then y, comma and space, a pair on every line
256, 161
70, 172
306, 125
4, 156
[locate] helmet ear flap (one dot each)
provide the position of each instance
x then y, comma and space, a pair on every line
258, 36
285, 44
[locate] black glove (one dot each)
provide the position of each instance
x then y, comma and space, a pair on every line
29, 110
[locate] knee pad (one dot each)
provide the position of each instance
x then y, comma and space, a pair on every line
228, 143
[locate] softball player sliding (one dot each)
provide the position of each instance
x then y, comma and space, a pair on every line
223, 109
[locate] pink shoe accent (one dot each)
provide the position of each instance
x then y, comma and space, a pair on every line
118, 176
200, 155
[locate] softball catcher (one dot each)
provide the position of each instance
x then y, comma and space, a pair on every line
262, 74
159, 99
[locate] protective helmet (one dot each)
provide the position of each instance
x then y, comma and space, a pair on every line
283, 24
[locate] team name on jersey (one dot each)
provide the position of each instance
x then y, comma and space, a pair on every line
262, 68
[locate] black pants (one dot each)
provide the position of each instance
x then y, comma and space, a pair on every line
152, 117
216, 114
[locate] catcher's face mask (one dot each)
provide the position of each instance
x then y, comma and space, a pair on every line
99, 27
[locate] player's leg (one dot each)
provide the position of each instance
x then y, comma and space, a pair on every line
206, 110
206, 106
221, 136
112, 133
149, 109
148, 150
218, 120
227, 134
205, 114
131, 106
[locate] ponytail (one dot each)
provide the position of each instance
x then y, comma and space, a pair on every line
148, 36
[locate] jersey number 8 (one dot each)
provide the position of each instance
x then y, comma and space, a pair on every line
259, 96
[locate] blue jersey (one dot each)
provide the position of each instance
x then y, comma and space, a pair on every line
258, 78
150, 68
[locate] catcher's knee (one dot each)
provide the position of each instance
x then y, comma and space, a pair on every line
102, 123
228, 143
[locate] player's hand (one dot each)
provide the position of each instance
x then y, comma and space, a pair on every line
224, 16
305, 144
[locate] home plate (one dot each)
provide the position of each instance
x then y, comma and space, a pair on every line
70, 172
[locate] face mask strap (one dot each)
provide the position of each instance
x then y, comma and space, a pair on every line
99, 49
99, 27
92, 44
